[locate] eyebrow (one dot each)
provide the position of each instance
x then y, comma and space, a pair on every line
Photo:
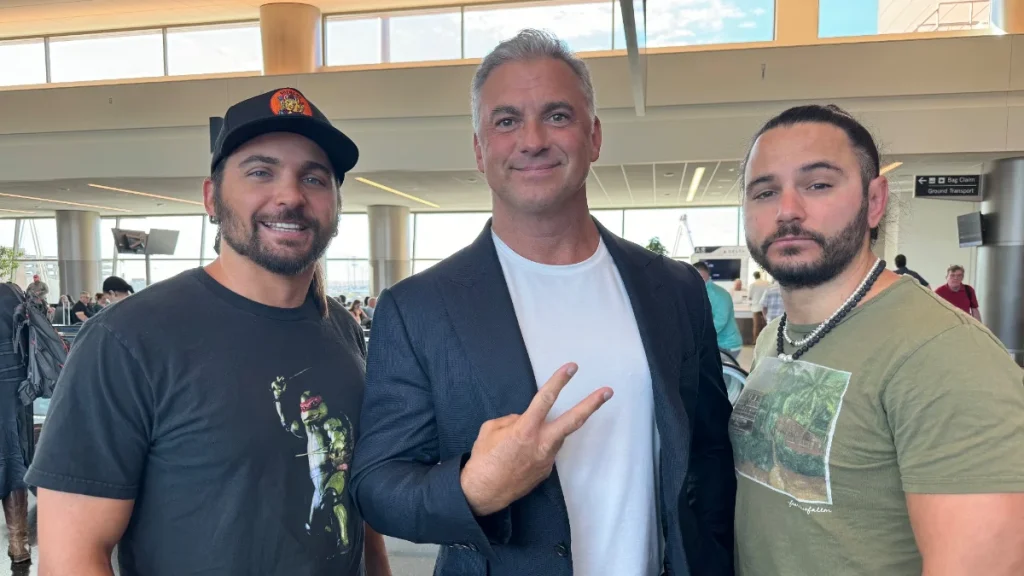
312, 165
560, 105
819, 165
505, 109
258, 159
548, 109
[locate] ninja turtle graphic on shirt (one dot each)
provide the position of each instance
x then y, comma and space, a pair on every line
329, 443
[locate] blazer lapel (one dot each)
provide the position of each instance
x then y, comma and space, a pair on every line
480, 307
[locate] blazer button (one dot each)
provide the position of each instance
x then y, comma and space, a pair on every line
562, 550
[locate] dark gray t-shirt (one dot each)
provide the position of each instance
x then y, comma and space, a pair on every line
230, 423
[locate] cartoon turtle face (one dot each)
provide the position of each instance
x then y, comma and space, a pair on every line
312, 408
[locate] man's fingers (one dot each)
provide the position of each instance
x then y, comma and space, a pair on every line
573, 419
545, 398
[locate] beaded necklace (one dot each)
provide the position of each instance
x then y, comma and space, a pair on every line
825, 327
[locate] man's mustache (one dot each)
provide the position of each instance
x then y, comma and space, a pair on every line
792, 231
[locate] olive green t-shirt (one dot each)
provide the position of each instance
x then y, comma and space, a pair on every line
906, 394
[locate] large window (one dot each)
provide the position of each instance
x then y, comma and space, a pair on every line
718, 226
350, 278
351, 41
7, 232
22, 62
214, 49
693, 22
441, 235
838, 18
583, 26
425, 37
107, 56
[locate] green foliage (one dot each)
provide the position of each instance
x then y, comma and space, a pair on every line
9, 262
657, 247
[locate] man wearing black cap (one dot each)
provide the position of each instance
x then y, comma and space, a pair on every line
117, 289
207, 423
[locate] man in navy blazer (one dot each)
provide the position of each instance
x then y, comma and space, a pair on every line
549, 400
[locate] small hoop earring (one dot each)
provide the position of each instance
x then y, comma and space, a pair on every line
214, 220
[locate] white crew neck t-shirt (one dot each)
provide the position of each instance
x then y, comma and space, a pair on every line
581, 313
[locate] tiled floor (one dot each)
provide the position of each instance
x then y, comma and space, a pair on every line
407, 559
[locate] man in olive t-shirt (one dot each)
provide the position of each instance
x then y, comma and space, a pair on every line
880, 432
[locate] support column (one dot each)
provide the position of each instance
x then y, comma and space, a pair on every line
78, 252
1001, 257
389, 246
292, 37
1008, 16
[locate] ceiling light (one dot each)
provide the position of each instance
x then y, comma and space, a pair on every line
890, 168
395, 192
147, 195
16, 211
695, 183
66, 203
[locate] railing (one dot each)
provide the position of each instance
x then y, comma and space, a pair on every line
976, 16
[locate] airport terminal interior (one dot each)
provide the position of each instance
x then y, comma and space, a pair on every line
110, 108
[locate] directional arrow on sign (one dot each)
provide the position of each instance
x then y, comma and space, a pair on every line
922, 180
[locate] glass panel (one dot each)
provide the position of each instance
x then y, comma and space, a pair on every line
7, 232
209, 254
424, 37
48, 272
353, 239
583, 26
348, 277
693, 22
610, 219
160, 270
352, 41
214, 49
134, 272
421, 265
190, 230
39, 237
22, 62
107, 249
106, 269
107, 56
708, 227
438, 236
870, 17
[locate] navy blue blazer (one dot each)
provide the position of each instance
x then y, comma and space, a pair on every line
446, 354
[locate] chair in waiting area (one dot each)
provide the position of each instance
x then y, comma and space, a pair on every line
735, 376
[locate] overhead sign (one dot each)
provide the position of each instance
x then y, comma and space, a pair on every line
947, 186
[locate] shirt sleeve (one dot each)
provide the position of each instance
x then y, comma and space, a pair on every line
96, 436
973, 297
955, 410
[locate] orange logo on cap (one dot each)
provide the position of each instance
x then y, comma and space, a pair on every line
288, 101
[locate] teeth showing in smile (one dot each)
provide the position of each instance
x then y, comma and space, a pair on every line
284, 226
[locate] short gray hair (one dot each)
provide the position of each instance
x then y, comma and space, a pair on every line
530, 44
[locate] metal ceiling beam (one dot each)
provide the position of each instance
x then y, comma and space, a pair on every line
637, 63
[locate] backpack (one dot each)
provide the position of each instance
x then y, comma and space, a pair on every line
40, 347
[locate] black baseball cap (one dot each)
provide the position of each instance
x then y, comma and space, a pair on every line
284, 110
117, 284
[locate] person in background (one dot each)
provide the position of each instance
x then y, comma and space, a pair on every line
722, 308
16, 436
357, 312
958, 293
343, 300
371, 304
82, 310
99, 302
771, 303
754, 294
38, 289
879, 432
901, 269
116, 289
489, 422
206, 425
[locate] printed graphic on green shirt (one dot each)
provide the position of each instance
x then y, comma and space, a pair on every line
782, 427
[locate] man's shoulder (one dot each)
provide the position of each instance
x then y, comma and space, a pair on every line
170, 301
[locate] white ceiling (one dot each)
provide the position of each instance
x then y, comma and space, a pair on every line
612, 186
